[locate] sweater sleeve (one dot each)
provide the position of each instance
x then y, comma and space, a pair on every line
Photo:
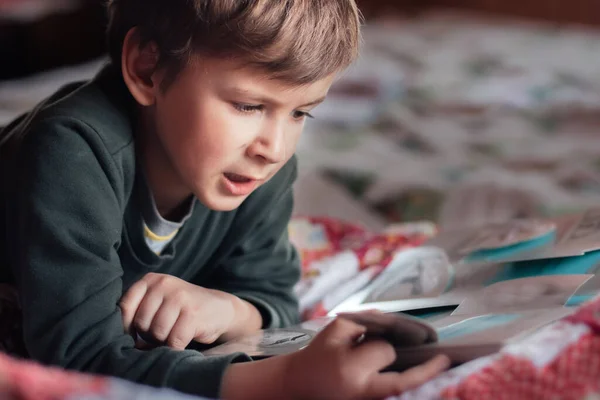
65, 261
264, 267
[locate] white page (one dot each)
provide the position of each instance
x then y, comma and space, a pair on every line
538, 292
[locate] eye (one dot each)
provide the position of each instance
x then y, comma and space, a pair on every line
248, 108
301, 115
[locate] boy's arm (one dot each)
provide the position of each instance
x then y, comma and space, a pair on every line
67, 225
264, 267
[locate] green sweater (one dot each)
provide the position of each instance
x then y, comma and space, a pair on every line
74, 239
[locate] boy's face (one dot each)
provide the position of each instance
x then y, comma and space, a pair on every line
226, 129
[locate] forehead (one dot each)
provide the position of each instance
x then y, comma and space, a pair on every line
229, 74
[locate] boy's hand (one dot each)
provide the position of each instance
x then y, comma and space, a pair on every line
169, 310
333, 366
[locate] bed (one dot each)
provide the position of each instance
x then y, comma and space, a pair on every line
453, 118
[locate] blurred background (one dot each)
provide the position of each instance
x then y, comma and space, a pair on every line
459, 111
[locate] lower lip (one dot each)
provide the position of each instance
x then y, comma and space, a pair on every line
239, 188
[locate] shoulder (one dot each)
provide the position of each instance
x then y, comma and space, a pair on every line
86, 122
100, 107
84, 125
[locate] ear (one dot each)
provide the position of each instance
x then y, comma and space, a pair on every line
139, 68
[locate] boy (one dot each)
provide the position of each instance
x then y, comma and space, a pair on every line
153, 202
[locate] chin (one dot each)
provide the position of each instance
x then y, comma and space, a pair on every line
218, 202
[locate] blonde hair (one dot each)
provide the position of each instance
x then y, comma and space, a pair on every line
298, 41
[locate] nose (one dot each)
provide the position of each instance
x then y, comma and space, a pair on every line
269, 145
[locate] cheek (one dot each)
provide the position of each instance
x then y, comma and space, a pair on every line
175, 123
223, 135
199, 136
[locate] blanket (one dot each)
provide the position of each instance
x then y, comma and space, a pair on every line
339, 258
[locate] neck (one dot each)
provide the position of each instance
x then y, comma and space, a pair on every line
169, 192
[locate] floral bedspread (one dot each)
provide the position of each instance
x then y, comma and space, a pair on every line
339, 258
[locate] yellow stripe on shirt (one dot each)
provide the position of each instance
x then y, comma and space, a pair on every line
153, 236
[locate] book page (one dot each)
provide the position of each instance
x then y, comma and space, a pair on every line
524, 240
584, 234
522, 294
460, 337
460, 244
465, 337
399, 330
423, 278
494, 327
266, 343
558, 246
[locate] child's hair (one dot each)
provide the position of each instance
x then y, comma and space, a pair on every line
297, 41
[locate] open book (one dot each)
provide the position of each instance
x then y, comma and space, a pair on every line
490, 296
461, 337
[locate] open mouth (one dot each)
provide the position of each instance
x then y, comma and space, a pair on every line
239, 185
235, 178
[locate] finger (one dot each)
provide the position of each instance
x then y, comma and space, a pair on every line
147, 309
164, 321
206, 334
375, 355
182, 333
394, 383
367, 311
341, 331
130, 302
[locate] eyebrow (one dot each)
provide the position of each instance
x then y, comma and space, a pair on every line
314, 103
265, 99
